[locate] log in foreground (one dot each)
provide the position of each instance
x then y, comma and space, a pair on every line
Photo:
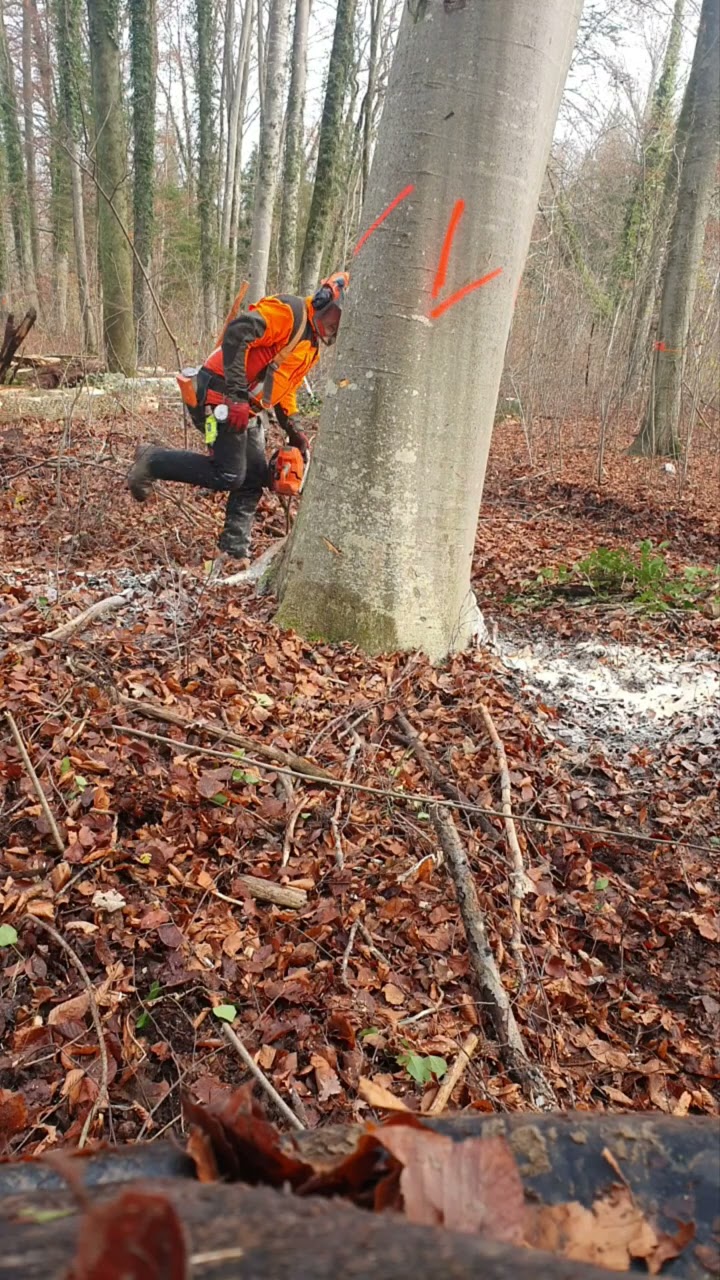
670, 1165
255, 1233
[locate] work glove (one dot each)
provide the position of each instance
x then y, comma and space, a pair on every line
238, 414
298, 440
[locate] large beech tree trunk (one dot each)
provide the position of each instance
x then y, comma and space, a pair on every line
384, 538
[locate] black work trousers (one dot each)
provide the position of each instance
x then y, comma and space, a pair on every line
236, 464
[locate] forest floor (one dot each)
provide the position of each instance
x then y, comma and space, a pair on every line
610, 716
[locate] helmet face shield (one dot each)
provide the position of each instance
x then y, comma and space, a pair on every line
327, 322
327, 307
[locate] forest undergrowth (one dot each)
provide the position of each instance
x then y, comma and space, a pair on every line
365, 977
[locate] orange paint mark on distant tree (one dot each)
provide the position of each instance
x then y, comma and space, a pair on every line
385, 214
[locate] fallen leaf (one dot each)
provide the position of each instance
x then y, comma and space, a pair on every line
327, 1082
75, 1008
108, 900
610, 1234
471, 1186
135, 1236
393, 994
376, 1095
13, 1115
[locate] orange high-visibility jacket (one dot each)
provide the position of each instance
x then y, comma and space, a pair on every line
251, 342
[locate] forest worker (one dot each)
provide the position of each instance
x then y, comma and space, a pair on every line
264, 355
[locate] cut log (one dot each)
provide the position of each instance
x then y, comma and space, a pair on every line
671, 1166
254, 1233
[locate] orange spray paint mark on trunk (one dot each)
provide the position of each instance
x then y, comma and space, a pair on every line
453, 224
458, 296
385, 214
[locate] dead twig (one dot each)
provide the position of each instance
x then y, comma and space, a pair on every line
266, 891
50, 818
335, 819
412, 739
290, 831
102, 1102
220, 734
347, 952
492, 1000
97, 610
520, 885
455, 1073
261, 1078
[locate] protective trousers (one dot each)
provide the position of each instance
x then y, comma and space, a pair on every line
236, 463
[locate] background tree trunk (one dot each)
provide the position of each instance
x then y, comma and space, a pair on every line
29, 127
270, 137
376, 18
207, 160
143, 61
115, 256
294, 138
660, 431
15, 172
234, 150
384, 538
67, 38
325, 186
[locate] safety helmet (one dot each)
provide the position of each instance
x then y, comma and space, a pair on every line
326, 306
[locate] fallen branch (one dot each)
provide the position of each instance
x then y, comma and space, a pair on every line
219, 733
412, 739
50, 817
335, 819
491, 998
520, 884
290, 831
455, 1074
102, 1102
97, 610
266, 891
347, 953
261, 1078
392, 795
255, 571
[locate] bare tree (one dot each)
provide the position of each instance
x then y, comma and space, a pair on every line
660, 430
294, 130
270, 139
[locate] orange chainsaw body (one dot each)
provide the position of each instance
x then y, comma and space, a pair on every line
288, 470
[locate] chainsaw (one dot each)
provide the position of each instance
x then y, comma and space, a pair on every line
287, 472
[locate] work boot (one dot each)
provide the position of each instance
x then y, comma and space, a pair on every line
140, 479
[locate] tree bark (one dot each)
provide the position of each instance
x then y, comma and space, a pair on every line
270, 137
15, 175
143, 62
207, 160
294, 137
325, 185
69, 63
383, 543
660, 431
114, 253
